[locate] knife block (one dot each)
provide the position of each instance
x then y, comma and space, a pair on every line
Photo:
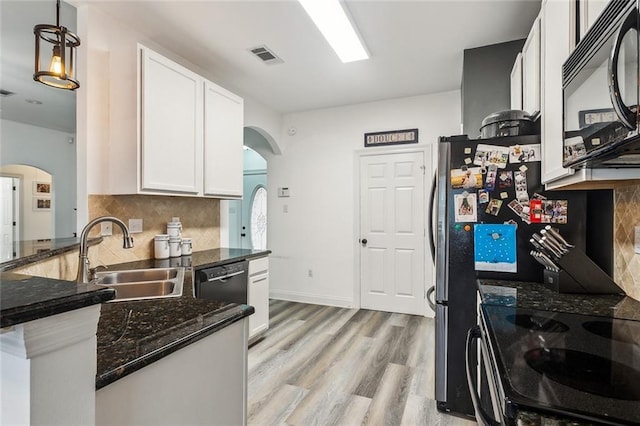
579, 274
561, 282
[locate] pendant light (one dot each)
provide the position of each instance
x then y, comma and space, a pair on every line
60, 70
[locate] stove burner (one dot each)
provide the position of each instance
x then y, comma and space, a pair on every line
621, 331
538, 323
586, 372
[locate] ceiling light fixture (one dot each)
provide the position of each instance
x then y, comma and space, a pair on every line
331, 19
60, 70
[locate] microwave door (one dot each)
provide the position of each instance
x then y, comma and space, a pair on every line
600, 87
623, 71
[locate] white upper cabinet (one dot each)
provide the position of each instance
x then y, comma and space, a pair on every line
223, 140
588, 12
170, 126
556, 45
516, 83
189, 135
531, 70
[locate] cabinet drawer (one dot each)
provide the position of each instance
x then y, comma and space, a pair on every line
258, 266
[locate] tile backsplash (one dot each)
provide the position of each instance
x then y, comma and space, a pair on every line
626, 218
200, 219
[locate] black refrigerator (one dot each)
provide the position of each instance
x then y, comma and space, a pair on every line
489, 191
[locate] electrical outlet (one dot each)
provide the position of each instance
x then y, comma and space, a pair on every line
106, 228
636, 247
310, 273
135, 226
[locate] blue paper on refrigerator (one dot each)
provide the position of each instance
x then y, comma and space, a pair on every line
495, 247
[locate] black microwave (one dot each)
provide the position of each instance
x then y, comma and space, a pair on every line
600, 92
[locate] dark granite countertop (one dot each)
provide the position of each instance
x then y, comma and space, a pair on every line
536, 296
133, 334
31, 251
25, 298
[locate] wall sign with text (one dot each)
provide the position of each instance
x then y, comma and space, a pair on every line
393, 137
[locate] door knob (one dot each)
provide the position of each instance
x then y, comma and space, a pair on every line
363, 242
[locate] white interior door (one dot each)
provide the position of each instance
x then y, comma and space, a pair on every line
392, 232
6, 218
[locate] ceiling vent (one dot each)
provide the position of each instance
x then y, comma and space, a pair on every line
5, 93
266, 55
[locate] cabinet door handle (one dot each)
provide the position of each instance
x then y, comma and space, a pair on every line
260, 279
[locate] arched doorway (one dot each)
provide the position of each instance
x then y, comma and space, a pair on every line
248, 217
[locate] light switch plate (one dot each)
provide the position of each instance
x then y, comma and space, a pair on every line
636, 245
135, 226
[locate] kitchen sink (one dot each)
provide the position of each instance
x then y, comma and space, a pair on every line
139, 284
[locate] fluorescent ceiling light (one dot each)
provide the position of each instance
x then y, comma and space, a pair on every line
332, 21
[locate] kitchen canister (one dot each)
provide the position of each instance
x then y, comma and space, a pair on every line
187, 247
161, 246
175, 246
174, 229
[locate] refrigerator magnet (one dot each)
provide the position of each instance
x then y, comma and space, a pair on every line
466, 207
490, 180
521, 210
491, 154
524, 153
520, 178
466, 178
467, 150
483, 196
495, 247
505, 179
555, 211
537, 196
493, 208
535, 211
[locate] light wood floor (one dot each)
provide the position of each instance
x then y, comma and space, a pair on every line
321, 365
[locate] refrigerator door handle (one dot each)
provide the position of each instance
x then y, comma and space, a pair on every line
432, 303
432, 206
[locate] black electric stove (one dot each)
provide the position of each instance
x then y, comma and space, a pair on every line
580, 366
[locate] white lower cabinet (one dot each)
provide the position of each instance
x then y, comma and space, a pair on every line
204, 383
259, 295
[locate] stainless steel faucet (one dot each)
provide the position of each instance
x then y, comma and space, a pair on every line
83, 261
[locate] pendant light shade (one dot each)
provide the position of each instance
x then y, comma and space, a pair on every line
58, 67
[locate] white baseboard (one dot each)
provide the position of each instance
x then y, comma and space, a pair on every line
316, 299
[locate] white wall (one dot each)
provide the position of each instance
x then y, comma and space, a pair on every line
317, 233
50, 151
34, 224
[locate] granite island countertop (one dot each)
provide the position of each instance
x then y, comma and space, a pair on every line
27, 252
133, 334
25, 298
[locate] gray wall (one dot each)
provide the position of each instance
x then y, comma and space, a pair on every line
485, 82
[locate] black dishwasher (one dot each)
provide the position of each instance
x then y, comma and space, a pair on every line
227, 283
